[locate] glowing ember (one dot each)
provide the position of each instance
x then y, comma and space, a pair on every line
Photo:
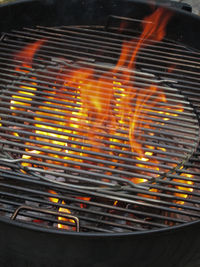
64, 210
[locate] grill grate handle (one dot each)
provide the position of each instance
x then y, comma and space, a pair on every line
67, 216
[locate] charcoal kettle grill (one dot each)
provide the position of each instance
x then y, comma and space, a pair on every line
66, 200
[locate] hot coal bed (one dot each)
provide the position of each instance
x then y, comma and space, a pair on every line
99, 134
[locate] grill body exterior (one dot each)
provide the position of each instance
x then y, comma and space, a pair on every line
25, 245
29, 247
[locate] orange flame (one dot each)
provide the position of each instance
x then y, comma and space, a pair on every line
97, 107
27, 54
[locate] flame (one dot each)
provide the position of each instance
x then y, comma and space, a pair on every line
100, 97
27, 54
151, 31
26, 58
109, 104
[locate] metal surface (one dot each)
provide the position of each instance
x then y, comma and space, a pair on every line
97, 185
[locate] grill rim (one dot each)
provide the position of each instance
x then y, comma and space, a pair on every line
143, 234
50, 8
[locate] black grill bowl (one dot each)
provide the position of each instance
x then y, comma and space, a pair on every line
26, 246
22, 244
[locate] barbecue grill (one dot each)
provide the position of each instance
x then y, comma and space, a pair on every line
76, 181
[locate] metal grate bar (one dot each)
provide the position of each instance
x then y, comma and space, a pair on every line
63, 101
101, 34
74, 109
104, 71
95, 50
37, 192
83, 55
35, 182
80, 42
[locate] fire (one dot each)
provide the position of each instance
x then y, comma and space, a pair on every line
26, 56
28, 53
105, 105
64, 210
186, 189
